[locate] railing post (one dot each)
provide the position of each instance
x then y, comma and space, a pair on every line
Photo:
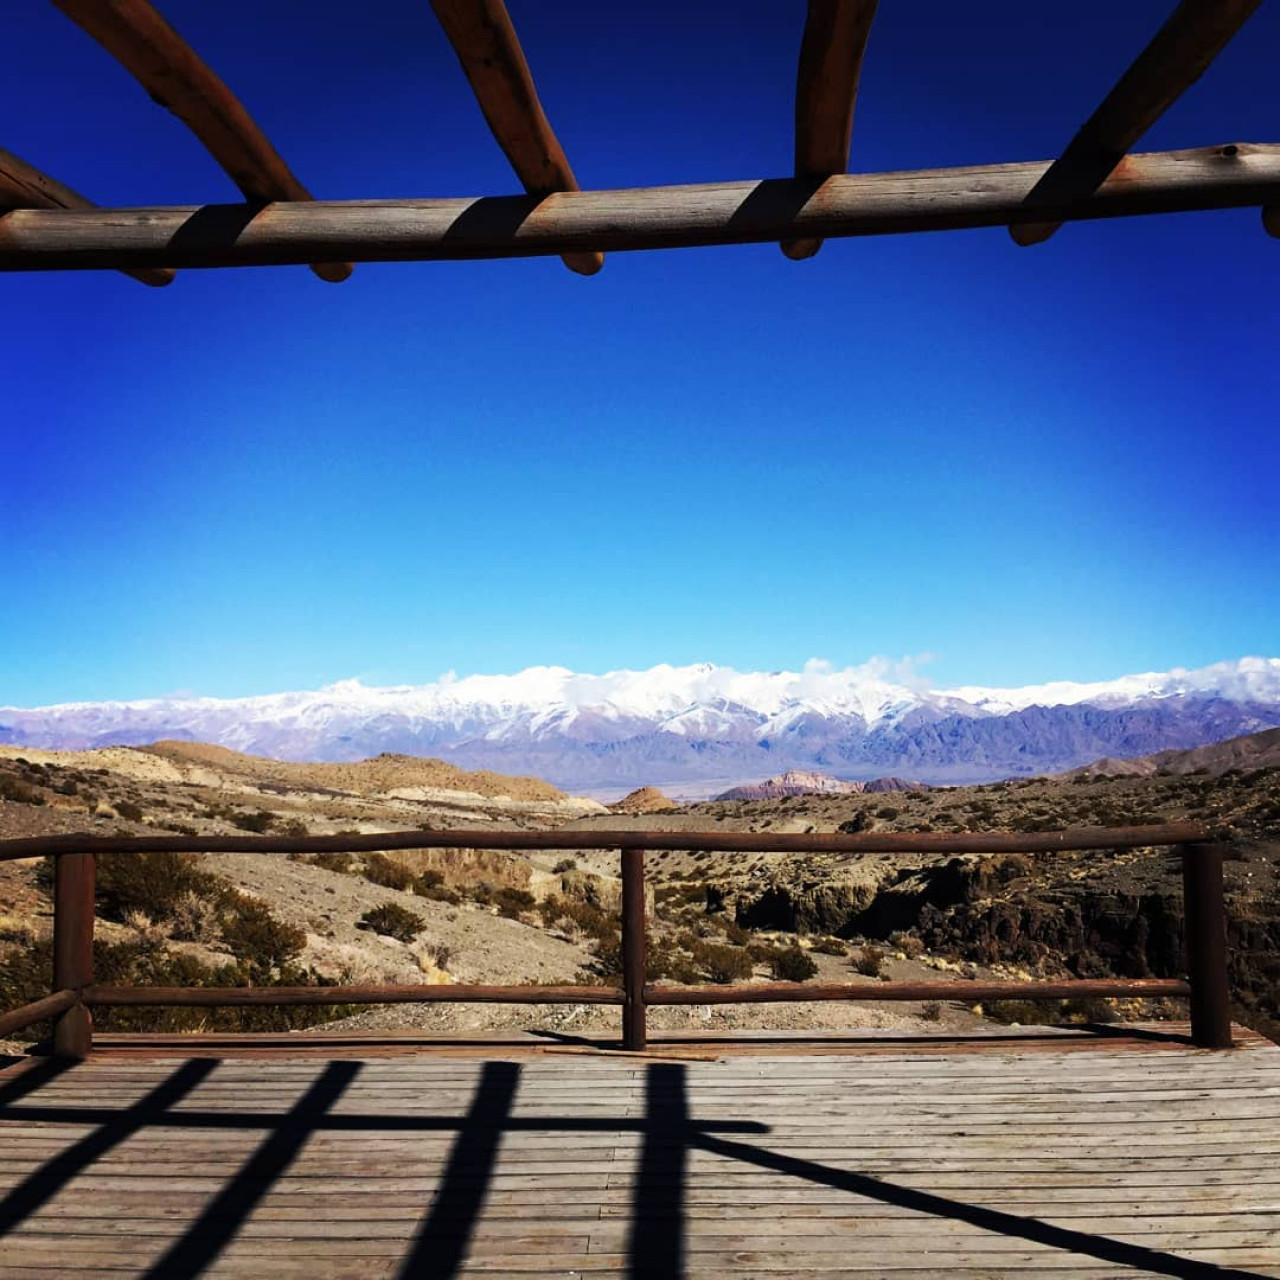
633, 949
73, 949
1205, 926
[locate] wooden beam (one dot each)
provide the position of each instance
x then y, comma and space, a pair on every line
37, 1011
177, 78
831, 52
1237, 176
965, 992
220, 997
23, 186
1079, 838
1182, 49
486, 43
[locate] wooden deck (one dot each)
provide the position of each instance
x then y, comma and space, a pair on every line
1130, 1153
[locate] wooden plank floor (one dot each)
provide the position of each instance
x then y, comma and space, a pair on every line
1131, 1154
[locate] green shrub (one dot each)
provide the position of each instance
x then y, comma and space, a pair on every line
792, 965
565, 864
390, 874
394, 921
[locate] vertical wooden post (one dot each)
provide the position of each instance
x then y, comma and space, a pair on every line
1206, 934
73, 949
633, 949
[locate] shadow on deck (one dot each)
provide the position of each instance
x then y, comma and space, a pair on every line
992, 1154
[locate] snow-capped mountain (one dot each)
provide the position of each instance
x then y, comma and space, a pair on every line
674, 725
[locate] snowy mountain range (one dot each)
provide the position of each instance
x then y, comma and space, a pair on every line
703, 724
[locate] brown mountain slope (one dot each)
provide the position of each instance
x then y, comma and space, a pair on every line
381, 774
1251, 751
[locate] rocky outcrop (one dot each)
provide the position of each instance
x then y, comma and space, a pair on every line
644, 800
801, 782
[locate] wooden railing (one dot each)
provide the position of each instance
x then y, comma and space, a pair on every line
75, 993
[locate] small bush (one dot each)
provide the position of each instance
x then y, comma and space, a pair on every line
390, 874
908, 944
256, 938
259, 822
512, 902
931, 1011
888, 813
394, 921
340, 862
868, 961
128, 810
428, 879
719, 963
792, 965
151, 883
19, 792
565, 864
830, 947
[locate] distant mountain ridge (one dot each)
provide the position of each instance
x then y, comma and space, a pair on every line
671, 726
800, 782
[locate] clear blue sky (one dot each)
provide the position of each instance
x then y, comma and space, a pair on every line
1057, 462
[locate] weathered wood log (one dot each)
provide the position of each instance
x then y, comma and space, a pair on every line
37, 1011
649, 218
1195, 33
23, 186
688, 841
965, 992
486, 43
1205, 931
831, 52
216, 997
73, 895
176, 77
633, 949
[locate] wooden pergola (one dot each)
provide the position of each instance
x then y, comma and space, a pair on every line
49, 226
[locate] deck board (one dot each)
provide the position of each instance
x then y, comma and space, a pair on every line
1047, 1153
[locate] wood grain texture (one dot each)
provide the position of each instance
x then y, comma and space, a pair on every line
633, 949
73, 925
1181, 51
483, 37
1242, 175
1077, 838
831, 52
217, 997
23, 186
966, 992
177, 78
37, 1011
810, 1166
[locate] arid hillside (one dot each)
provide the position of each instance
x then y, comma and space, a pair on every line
451, 915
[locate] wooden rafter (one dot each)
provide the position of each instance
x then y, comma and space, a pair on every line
486, 43
1195, 33
23, 186
177, 78
1235, 176
831, 52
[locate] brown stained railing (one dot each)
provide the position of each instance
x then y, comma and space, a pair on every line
76, 994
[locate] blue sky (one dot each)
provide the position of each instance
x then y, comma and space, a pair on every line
1056, 462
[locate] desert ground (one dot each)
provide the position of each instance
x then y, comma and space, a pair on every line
451, 915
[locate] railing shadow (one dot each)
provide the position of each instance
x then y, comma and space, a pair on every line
656, 1244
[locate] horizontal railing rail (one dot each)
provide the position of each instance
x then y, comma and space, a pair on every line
75, 992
